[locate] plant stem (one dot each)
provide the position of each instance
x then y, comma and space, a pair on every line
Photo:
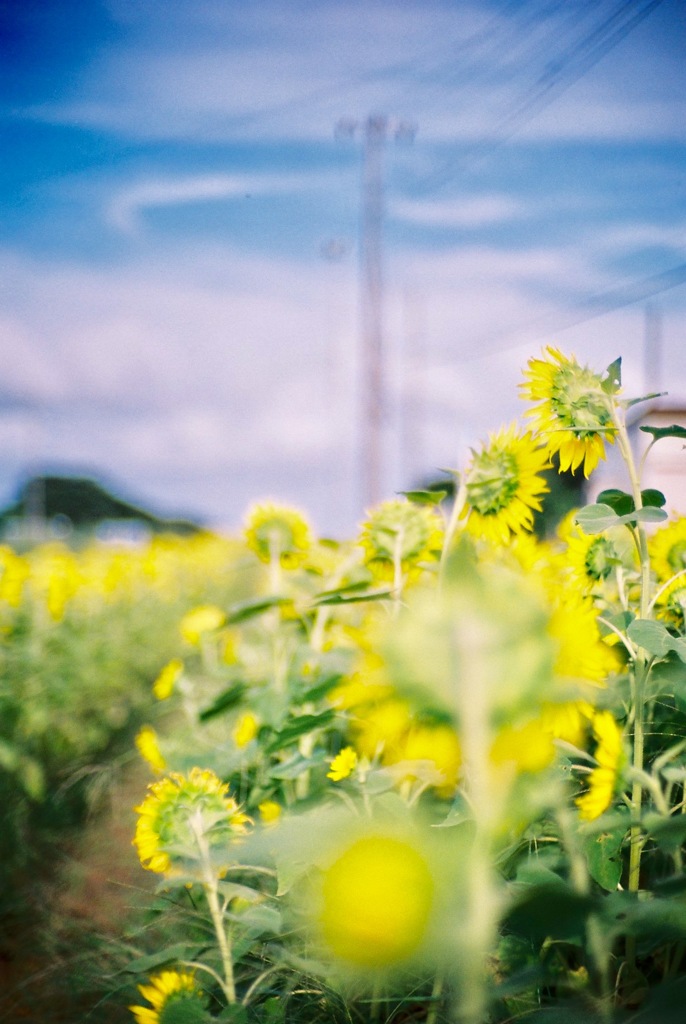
211, 888
639, 677
458, 505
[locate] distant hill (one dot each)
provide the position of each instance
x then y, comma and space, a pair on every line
84, 504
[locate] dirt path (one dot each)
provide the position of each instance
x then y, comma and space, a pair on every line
67, 970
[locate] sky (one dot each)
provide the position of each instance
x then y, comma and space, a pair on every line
181, 253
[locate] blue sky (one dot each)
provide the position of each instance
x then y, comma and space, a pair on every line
180, 252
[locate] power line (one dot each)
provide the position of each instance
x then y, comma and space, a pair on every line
562, 71
597, 305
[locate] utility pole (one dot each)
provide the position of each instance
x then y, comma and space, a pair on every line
372, 357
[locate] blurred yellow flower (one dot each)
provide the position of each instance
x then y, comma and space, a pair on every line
574, 413
245, 729
568, 721
147, 744
668, 549
378, 730
603, 780
438, 744
399, 535
525, 747
277, 533
166, 988
163, 687
201, 620
582, 654
343, 764
270, 811
377, 900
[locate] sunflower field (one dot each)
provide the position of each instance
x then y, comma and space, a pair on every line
434, 773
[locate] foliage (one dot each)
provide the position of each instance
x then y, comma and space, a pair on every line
434, 773
462, 749
83, 633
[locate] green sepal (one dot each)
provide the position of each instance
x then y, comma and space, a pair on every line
612, 381
424, 497
644, 398
658, 432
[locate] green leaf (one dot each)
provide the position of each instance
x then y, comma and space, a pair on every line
321, 689
669, 677
668, 833
249, 609
600, 517
294, 767
227, 700
620, 621
603, 857
185, 1011
621, 502
650, 514
298, 727
656, 639
651, 497
170, 955
612, 381
425, 497
348, 588
235, 1014
659, 432
369, 595
596, 518
273, 1010
550, 909
627, 403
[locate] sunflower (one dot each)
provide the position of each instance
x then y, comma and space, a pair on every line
399, 533
277, 533
503, 487
671, 606
343, 764
592, 559
166, 988
574, 411
582, 654
603, 780
172, 812
668, 549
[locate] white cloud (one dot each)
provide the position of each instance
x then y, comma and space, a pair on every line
470, 212
217, 71
124, 210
